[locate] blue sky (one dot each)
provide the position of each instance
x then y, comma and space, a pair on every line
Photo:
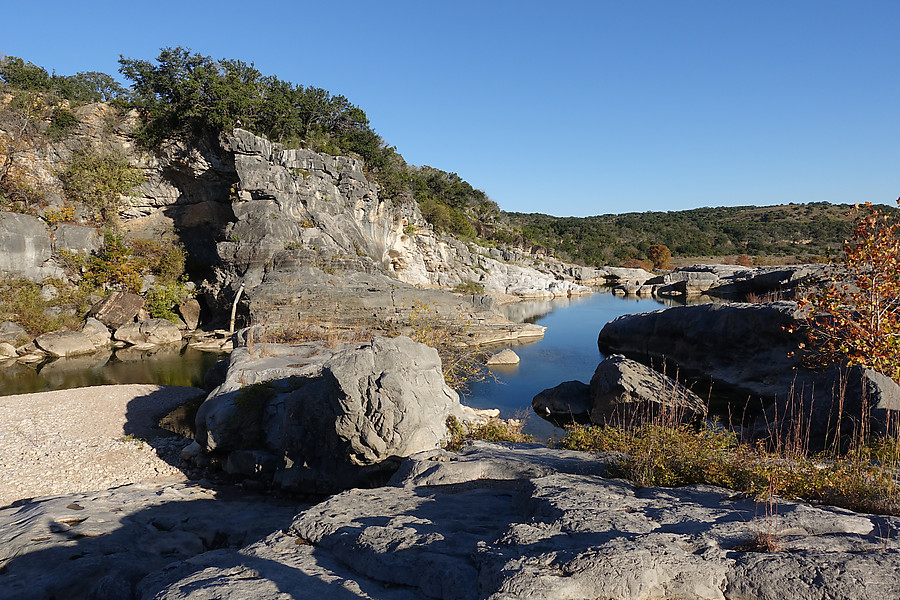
568, 108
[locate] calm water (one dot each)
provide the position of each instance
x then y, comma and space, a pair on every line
173, 364
567, 352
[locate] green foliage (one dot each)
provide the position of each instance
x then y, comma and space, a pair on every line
84, 87
493, 430
21, 302
97, 181
162, 300
62, 123
24, 75
469, 287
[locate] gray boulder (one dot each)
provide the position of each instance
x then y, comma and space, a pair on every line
12, 332
626, 392
566, 404
98, 333
117, 309
317, 419
749, 352
77, 239
25, 241
747, 347
148, 333
622, 392
65, 343
7, 350
504, 357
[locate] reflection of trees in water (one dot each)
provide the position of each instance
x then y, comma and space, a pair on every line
171, 364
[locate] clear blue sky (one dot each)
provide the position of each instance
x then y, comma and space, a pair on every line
569, 107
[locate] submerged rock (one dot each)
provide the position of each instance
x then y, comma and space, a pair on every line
504, 357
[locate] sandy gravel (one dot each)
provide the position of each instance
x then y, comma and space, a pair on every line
87, 439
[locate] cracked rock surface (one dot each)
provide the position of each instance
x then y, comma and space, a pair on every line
527, 522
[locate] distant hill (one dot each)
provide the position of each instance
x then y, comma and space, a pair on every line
800, 232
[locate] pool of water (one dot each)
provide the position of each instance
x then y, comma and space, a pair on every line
567, 352
173, 364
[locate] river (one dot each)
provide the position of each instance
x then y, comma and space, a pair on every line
567, 352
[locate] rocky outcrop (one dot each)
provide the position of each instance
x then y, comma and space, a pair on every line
741, 345
749, 352
302, 216
527, 522
27, 248
622, 392
725, 281
317, 419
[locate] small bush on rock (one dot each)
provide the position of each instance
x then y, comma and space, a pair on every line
494, 430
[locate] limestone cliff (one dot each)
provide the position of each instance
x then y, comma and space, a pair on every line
306, 234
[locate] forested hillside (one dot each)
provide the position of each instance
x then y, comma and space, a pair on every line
802, 232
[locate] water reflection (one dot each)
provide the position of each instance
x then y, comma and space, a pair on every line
171, 364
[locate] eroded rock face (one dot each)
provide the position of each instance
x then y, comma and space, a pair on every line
27, 248
503, 522
320, 419
297, 211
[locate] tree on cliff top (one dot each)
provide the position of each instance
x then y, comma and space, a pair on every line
855, 315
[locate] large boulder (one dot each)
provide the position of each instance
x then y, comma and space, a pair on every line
622, 392
117, 309
148, 333
318, 419
65, 343
748, 352
626, 392
746, 347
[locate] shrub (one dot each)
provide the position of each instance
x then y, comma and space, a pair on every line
162, 300
854, 317
469, 287
97, 180
494, 430
62, 123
